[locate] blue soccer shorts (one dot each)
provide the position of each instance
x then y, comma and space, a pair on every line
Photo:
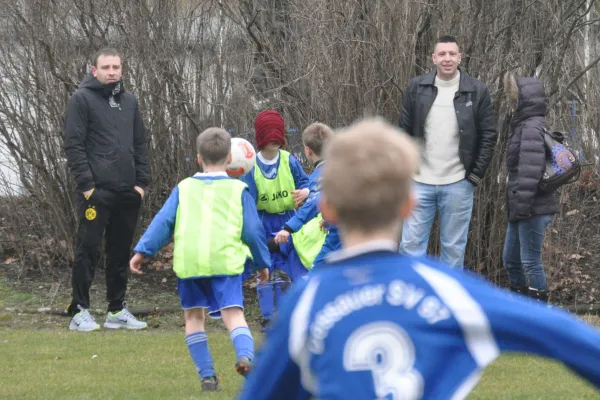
214, 294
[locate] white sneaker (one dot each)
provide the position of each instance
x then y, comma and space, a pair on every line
83, 321
123, 319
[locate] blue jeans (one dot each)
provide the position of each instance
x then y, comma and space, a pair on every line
454, 202
523, 252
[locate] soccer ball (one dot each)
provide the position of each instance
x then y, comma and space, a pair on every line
243, 158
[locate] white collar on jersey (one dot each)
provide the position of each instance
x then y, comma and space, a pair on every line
265, 161
206, 174
368, 247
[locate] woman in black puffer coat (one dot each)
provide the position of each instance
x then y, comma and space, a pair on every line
530, 210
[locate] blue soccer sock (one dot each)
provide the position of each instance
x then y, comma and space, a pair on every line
266, 299
243, 343
198, 346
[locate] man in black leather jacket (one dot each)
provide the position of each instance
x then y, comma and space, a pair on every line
451, 116
105, 145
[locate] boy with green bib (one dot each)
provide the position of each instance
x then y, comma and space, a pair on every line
214, 222
303, 231
279, 185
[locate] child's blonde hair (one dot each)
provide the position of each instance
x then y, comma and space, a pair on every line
315, 136
367, 177
213, 146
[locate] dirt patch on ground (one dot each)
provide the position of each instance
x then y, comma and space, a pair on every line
25, 290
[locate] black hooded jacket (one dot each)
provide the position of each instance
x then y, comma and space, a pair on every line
526, 154
105, 138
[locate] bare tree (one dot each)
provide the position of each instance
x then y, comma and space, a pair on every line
196, 63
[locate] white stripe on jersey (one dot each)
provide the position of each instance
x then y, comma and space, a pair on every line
298, 332
467, 386
471, 318
468, 313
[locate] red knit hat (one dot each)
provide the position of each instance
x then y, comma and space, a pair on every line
268, 126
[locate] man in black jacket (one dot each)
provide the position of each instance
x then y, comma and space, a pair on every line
105, 145
451, 116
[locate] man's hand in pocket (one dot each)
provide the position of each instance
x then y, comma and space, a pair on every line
139, 190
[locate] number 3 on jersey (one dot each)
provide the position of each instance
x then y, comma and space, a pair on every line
387, 351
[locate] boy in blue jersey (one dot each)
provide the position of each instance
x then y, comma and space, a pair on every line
279, 185
376, 324
314, 138
212, 219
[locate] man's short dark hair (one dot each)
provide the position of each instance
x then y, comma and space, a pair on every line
106, 51
446, 39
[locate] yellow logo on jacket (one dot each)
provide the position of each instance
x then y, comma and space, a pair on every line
90, 214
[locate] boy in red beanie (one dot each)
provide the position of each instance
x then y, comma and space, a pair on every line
279, 185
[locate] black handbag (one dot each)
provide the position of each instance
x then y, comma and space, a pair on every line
562, 164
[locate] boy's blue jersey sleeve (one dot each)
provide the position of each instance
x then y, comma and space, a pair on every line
253, 233
310, 208
161, 228
248, 179
521, 325
308, 211
275, 375
300, 177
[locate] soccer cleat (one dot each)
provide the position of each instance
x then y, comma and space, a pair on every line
123, 319
83, 321
210, 384
243, 366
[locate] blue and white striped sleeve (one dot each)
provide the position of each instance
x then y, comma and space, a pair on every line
519, 324
276, 375
522, 325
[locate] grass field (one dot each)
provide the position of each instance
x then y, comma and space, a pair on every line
41, 359
154, 364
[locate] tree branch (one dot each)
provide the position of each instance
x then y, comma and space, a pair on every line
572, 82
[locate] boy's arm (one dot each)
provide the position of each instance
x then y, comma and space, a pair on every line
248, 179
161, 229
533, 328
253, 233
308, 211
275, 375
514, 323
300, 177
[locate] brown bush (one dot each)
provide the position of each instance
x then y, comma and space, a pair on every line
198, 63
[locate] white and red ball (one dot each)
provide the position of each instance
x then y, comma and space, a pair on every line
243, 158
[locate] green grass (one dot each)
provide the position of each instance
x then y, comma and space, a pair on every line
518, 377
129, 365
53, 363
41, 359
